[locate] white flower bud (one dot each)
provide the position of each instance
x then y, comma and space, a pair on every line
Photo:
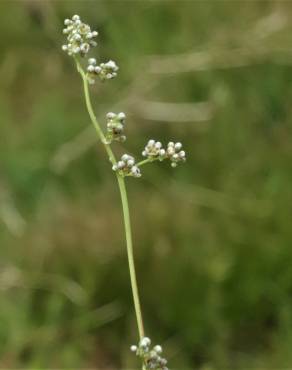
84, 47
170, 151
90, 68
163, 362
110, 115
135, 171
121, 115
133, 348
158, 349
130, 162
92, 61
121, 164
112, 65
145, 342
77, 37
178, 146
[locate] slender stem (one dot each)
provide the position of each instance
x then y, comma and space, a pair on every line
127, 222
125, 204
92, 115
148, 160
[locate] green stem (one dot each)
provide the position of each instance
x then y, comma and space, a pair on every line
92, 115
125, 203
148, 160
127, 223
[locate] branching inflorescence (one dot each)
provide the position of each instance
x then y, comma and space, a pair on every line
80, 40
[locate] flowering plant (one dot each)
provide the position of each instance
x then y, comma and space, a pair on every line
80, 40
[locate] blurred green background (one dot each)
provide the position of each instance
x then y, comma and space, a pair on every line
212, 238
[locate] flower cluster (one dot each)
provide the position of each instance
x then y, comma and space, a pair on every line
105, 71
151, 357
154, 150
175, 154
115, 127
126, 166
80, 37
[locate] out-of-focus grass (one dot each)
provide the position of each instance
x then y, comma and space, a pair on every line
212, 238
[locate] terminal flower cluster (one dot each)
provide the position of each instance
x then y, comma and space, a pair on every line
154, 150
115, 127
80, 37
126, 166
151, 357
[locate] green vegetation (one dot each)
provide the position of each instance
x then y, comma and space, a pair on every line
212, 239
